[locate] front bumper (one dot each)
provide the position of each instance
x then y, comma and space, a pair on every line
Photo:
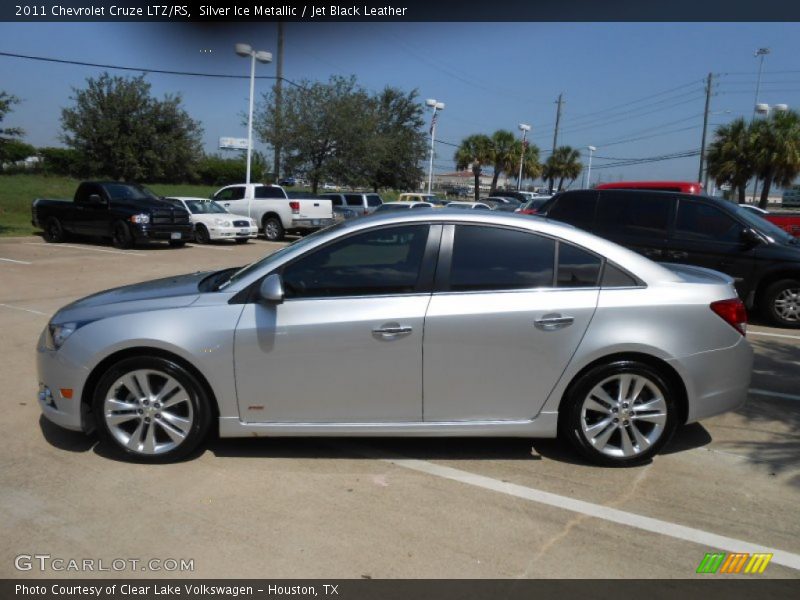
58, 374
717, 381
163, 232
311, 223
232, 233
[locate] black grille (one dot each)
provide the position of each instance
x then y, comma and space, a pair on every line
241, 224
169, 217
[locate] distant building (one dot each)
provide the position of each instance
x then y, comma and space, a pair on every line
466, 179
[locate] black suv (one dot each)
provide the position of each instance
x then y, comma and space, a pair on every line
696, 230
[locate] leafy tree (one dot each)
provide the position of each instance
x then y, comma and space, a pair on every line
730, 157
324, 132
7, 134
531, 167
398, 143
564, 164
62, 161
502, 153
123, 132
776, 150
474, 152
16, 150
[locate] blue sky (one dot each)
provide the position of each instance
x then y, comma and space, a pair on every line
632, 90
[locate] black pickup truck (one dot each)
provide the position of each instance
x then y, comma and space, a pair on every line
124, 212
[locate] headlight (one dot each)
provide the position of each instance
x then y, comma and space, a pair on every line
222, 223
141, 219
58, 334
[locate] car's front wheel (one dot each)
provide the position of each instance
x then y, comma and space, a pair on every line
151, 409
121, 236
201, 235
619, 413
781, 303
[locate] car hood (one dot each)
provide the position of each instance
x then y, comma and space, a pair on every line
169, 292
144, 204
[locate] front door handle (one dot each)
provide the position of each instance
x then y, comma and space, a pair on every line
551, 322
392, 331
653, 252
679, 254
227, 204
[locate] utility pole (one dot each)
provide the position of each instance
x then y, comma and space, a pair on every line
558, 121
705, 129
276, 167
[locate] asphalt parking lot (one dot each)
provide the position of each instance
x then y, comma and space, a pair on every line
488, 508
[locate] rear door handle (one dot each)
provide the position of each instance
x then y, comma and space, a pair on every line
551, 322
653, 252
392, 331
679, 254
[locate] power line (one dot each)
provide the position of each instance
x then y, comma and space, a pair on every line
144, 70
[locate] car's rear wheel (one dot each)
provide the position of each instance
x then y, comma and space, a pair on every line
619, 413
781, 303
151, 409
273, 229
53, 231
121, 236
201, 235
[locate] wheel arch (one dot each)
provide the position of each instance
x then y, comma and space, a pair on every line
269, 214
142, 351
664, 368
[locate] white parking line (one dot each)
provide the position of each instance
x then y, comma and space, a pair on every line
203, 247
598, 511
758, 392
29, 310
127, 252
19, 262
777, 335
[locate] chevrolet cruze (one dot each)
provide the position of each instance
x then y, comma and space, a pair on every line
426, 323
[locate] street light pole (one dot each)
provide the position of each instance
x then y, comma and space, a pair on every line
589, 170
246, 50
524, 128
436, 106
760, 54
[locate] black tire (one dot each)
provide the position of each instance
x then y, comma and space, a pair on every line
780, 303
177, 243
200, 415
242, 240
53, 231
273, 229
201, 235
121, 236
571, 418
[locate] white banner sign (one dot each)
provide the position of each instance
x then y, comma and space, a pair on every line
231, 143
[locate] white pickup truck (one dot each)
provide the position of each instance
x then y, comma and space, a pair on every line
273, 210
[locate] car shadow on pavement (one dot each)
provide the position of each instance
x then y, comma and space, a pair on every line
64, 439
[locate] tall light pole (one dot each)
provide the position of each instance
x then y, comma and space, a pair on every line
588, 183
263, 57
524, 128
435, 105
760, 54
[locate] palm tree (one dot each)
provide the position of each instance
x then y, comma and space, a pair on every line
502, 152
531, 167
776, 143
475, 151
563, 164
730, 157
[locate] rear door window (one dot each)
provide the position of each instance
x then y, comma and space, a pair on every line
354, 200
639, 215
266, 191
494, 258
575, 208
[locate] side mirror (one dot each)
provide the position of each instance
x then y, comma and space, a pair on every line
271, 289
750, 237
95, 199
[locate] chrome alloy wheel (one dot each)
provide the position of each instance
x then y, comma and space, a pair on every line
148, 412
624, 415
271, 230
787, 305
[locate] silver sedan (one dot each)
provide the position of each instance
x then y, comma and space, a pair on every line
531, 329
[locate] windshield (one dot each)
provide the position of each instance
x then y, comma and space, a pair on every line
265, 262
205, 207
759, 223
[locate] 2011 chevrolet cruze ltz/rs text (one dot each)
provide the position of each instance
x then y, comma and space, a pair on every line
437, 323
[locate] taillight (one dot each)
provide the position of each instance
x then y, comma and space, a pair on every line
732, 312
295, 206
